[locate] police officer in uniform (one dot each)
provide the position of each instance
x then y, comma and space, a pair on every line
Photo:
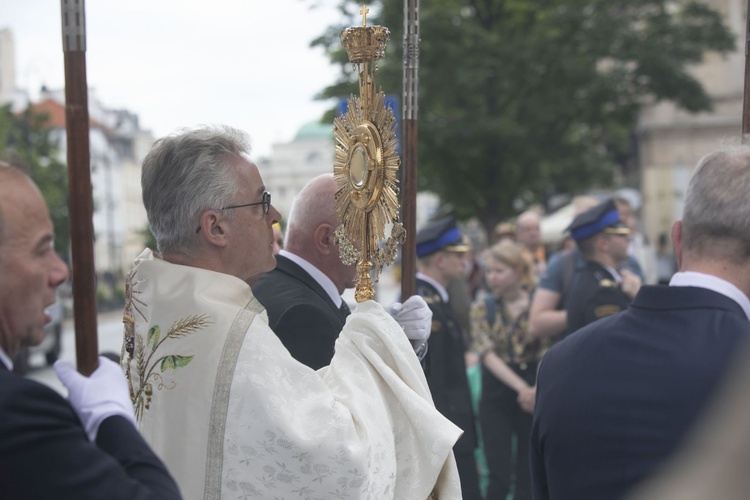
440, 254
600, 288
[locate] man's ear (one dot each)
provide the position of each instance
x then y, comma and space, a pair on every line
677, 242
323, 238
213, 228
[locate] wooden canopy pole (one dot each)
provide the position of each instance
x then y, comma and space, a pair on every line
409, 141
80, 199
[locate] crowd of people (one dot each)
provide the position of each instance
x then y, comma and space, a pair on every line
592, 379
245, 374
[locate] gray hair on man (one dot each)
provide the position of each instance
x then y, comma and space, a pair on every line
184, 175
716, 219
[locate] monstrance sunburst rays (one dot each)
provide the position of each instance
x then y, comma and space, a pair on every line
386, 206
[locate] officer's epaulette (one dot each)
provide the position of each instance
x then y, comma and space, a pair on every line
428, 294
431, 299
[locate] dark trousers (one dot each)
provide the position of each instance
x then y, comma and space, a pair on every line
502, 419
466, 464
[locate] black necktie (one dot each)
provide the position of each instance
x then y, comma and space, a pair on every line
345, 311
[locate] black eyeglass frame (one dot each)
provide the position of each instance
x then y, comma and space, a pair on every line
265, 201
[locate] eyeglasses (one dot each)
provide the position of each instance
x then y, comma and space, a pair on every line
265, 201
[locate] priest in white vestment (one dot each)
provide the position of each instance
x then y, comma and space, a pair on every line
215, 392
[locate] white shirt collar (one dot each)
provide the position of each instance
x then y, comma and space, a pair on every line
614, 274
440, 288
5, 359
316, 274
710, 282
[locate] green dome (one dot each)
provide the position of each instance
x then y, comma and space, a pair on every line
315, 130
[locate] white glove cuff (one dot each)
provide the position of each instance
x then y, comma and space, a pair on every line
103, 413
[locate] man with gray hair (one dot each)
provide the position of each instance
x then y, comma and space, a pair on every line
215, 391
616, 399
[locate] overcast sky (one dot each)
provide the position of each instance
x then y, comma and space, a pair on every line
177, 63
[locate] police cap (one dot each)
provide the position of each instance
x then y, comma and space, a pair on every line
441, 234
603, 217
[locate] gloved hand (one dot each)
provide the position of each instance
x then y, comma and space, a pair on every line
415, 317
101, 395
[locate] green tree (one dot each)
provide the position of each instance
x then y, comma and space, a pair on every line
523, 99
27, 141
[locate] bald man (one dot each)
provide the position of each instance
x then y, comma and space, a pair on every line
303, 294
529, 235
83, 447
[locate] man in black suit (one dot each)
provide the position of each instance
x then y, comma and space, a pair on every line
616, 398
85, 448
302, 295
440, 254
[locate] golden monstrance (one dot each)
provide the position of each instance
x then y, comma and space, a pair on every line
366, 165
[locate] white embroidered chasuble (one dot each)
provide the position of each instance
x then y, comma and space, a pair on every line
233, 415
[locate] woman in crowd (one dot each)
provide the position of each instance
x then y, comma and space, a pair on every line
509, 361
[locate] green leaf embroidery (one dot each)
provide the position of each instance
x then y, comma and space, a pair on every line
145, 350
153, 336
174, 361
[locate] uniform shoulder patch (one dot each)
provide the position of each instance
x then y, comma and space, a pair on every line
429, 299
606, 310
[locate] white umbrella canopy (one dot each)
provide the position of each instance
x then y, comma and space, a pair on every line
553, 225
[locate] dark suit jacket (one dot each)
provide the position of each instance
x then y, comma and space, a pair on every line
615, 398
45, 453
446, 367
300, 312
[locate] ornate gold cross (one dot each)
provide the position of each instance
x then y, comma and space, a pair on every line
364, 12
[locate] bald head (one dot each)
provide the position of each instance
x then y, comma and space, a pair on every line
10, 176
29, 267
312, 222
313, 206
528, 217
528, 230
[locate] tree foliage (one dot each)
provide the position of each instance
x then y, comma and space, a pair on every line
522, 99
27, 142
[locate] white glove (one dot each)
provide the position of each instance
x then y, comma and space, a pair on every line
97, 397
415, 317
